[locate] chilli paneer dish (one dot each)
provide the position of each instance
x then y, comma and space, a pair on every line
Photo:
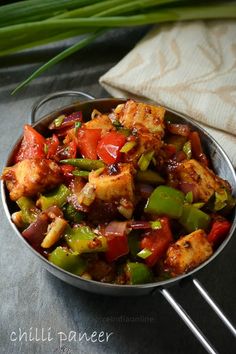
125, 197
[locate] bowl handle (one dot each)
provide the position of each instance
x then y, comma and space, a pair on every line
190, 323
51, 97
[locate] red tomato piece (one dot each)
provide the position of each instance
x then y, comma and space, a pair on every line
117, 247
88, 141
52, 145
219, 231
157, 241
109, 147
32, 145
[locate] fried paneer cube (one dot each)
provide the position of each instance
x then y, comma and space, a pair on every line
110, 187
188, 252
145, 142
31, 176
204, 180
142, 116
100, 122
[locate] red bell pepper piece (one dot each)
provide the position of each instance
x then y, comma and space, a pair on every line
157, 241
67, 171
51, 146
117, 241
32, 145
109, 147
197, 150
87, 140
219, 231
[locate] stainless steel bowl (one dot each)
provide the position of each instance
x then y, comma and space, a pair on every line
221, 165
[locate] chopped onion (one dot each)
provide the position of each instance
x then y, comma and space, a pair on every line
117, 228
145, 190
63, 121
140, 225
178, 129
36, 231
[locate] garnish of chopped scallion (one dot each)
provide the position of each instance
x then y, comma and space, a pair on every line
221, 198
155, 225
59, 120
124, 131
126, 212
77, 126
145, 160
145, 253
128, 146
198, 205
80, 173
189, 197
187, 149
45, 148
116, 123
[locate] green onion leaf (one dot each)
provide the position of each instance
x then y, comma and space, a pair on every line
198, 205
145, 253
81, 173
59, 120
187, 149
155, 225
189, 197
128, 146
145, 160
221, 198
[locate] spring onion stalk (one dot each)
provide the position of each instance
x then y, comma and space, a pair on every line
77, 46
30, 23
118, 7
27, 41
18, 32
172, 14
34, 10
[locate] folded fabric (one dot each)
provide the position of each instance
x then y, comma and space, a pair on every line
189, 67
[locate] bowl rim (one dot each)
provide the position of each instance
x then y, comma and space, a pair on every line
163, 283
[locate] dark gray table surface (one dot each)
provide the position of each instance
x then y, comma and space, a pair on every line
32, 299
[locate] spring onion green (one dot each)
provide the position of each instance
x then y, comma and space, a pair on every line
29, 23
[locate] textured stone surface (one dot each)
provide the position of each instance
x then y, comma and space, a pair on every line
31, 299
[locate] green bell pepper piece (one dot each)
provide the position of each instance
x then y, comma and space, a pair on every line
68, 260
28, 209
84, 164
57, 197
71, 214
138, 273
150, 177
165, 200
82, 239
193, 219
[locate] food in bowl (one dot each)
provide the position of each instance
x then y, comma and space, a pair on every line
125, 197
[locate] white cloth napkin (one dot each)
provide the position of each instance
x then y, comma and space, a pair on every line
189, 67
